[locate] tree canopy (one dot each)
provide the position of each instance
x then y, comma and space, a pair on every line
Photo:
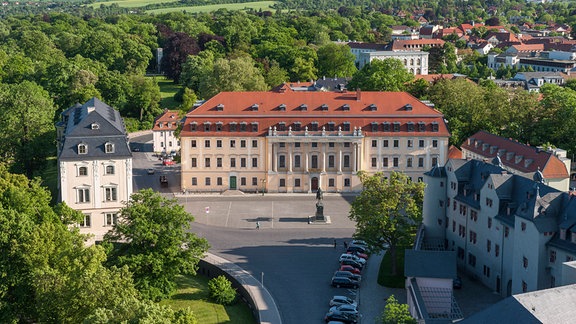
152, 240
381, 75
387, 211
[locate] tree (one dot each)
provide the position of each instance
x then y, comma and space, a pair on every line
176, 51
158, 245
221, 290
396, 313
134, 310
238, 74
387, 211
336, 61
381, 75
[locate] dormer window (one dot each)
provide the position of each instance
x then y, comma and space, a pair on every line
219, 126
408, 107
281, 126
193, 126
314, 126
254, 126
396, 126
493, 149
346, 107
254, 107
331, 126
161, 125
324, 107
233, 126
374, 126
95, 126
421, 127
410, 126
243, 126
386, 126
346, 126
109, 147
303, 107
220, 107
434, 126
82, 149
282, 107
485, 146
297, 126
207, 126
518, 158
373, 107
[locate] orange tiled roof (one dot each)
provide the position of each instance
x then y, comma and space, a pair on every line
532, 157
167, 121
434, 77
454, 153
529, 47
270, 108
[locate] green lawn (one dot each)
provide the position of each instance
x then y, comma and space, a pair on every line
385, 278
49, 177
264, 5
167, 91
193, 292
129, 3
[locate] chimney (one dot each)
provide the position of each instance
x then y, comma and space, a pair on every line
358, 94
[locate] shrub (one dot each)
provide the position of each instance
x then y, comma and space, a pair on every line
221, 290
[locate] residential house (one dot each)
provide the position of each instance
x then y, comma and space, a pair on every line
524, 48
511, 233
427, 31
163, 138
288, 142
94, 165
521, 159
403, 32
535, 80
358, 48
483, 48
501, 39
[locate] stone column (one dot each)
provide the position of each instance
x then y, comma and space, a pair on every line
340, 158
290, 150
354, 155
324, 157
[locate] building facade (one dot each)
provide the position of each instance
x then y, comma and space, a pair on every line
95, 164
511, 233
287, 141
415, 62
164, 140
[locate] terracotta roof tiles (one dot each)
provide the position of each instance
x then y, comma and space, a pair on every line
167, 121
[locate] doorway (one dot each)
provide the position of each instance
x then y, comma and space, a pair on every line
314, 184
232, 182
498, 284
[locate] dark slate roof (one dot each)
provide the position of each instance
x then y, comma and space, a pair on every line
554, 305
331, 84
79, 120
437, 172
430, 264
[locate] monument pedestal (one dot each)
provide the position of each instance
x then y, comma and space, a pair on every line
319, 218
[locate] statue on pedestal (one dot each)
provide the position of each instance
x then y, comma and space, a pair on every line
319, 206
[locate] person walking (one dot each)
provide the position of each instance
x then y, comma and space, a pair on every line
257, 225
334, 243
345, 245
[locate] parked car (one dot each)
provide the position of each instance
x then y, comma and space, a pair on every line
350, 268
353, 263
349, 309
342, 317
342, 300
457, 283
358, 254
347, 274
359, 242
345, 282
168, 162
163, 181
356, 248
347, 256
150, 171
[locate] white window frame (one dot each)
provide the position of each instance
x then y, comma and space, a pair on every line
110, 193
82, 149
110, 219
82, 195
86, 222
109, 147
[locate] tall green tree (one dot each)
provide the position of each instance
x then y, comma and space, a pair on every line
381, 75
336, 61
396, 313
387, 211
238, 74
158, 245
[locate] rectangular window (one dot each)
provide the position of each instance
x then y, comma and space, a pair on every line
254, 181
496, 250
385, 143
347, 144
219, 181
232, 162
409, 162
87, 221
218, 143
282, 182
207, 181
194, 181
552, 256
243, 181
524, 286
395, 162
219, 162
374, 143
523, 226
282, 144
489, 222
506, 231
346, 161
347, 182
396, 143
207, 162
314, 162
111, 194
296, 144
296, 161
232, 143
254, 143
296, 182
111, 219
314, 144
525, 262
374, 162
434, 143
453, 226
206, 143
331, 161
83, 195
434, 161
488, 246
471, 259
331, 182
420, 143
243, 143
330, 144
254, 162
385, 162
193, 143
242, 162
420, 162
410, 143
281, 161
487, 271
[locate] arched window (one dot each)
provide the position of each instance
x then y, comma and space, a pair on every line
405, 62
411, 61
83, 171
419, 62
82, 149
418, 71
109, 147
109, 169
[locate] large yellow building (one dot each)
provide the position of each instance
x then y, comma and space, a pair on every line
288, 141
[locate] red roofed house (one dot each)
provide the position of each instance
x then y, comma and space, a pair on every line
163, 132
525, 48
520, 158
287, 141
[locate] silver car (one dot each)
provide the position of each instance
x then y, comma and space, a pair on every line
342, 300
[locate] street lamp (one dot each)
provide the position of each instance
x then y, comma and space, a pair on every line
263, 186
